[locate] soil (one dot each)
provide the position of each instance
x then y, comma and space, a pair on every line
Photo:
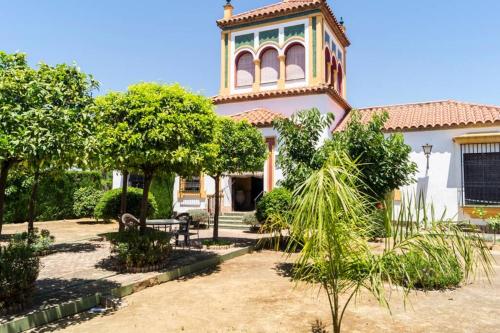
254, 293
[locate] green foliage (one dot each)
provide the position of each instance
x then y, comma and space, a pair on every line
494, 224
299, 138
55, 195
199, 216
480, 212
155, 125
278, 201
136, 249
162, 187
108, 206
85, 200
19, 268
241, 148
384, 161
250, 219
416, 270
40, 241
218, 242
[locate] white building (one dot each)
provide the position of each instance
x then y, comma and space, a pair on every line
292, 55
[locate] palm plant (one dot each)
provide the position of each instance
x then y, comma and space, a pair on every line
330, 225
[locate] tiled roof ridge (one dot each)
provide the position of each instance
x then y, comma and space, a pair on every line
427, 103
255, 109
272, 5
431, 115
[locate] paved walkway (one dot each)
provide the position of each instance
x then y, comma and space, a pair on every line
82, 265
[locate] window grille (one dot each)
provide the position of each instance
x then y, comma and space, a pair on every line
191, 185
480, 173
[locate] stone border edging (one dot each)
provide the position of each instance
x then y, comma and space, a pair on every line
79, 305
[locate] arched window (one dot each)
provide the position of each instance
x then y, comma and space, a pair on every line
340, 78
333, 71
245, 70
296, 63
327, 62
269, 66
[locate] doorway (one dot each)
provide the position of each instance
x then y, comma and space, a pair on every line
244, 192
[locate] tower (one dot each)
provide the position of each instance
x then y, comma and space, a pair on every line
283, 57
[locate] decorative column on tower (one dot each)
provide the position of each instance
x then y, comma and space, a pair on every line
256, 84
282, 78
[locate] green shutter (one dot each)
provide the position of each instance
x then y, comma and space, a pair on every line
269, 36
314, 44
244, 40
294, 31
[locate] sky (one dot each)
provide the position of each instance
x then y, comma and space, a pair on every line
401, 52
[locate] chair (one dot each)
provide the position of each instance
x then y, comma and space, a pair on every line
184, 230
129, 221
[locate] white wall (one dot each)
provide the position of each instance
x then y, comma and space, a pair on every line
443, 184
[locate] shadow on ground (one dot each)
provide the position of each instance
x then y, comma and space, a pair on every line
75, 247
285, 269
69, 321
318, 327
50, 292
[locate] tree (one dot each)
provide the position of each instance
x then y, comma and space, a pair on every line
114, 139
384, 160
241, 148
159, 127
330, 226
46, 121
299, 140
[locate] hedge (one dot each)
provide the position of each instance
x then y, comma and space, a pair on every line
108, 207
55, 195
162, 187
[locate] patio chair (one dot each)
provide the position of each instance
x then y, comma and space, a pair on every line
129, 221
184, 230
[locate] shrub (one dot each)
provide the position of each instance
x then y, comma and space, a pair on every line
85, 200
55, 194
277, 201
426, 272
19, 268
250, 219
39, 241
198, 216
134, 249
108, 206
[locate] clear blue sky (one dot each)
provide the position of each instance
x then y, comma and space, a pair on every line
402, 51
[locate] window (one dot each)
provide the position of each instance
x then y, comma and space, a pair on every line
327, 62
245, 70
269, 66
296, 63
481, 174
340, 78
135, 180
191, 184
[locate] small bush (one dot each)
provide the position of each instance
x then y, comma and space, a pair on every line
277, 201
108, 206
199, 216
39, 241
250, 219
19, 268
135, 250
85, 200
423, 272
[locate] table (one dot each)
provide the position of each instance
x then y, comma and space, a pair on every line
157, 224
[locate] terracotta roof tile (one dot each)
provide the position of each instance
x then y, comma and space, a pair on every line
283, 8
258, 117
321, 89
431, 115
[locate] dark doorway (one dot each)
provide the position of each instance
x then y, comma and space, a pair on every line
244, 192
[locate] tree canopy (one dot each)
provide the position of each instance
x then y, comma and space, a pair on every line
384, 160
154, 126
299, 139
45, 120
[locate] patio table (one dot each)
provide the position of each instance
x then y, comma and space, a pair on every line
165, 223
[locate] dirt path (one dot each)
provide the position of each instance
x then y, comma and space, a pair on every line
252, 294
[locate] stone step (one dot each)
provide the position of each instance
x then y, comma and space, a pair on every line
234, 226
230, 218
231, 223
234, 213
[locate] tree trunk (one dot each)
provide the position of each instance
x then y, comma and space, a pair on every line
148, 177
123, 204
4, 171
32, 203
217, 208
